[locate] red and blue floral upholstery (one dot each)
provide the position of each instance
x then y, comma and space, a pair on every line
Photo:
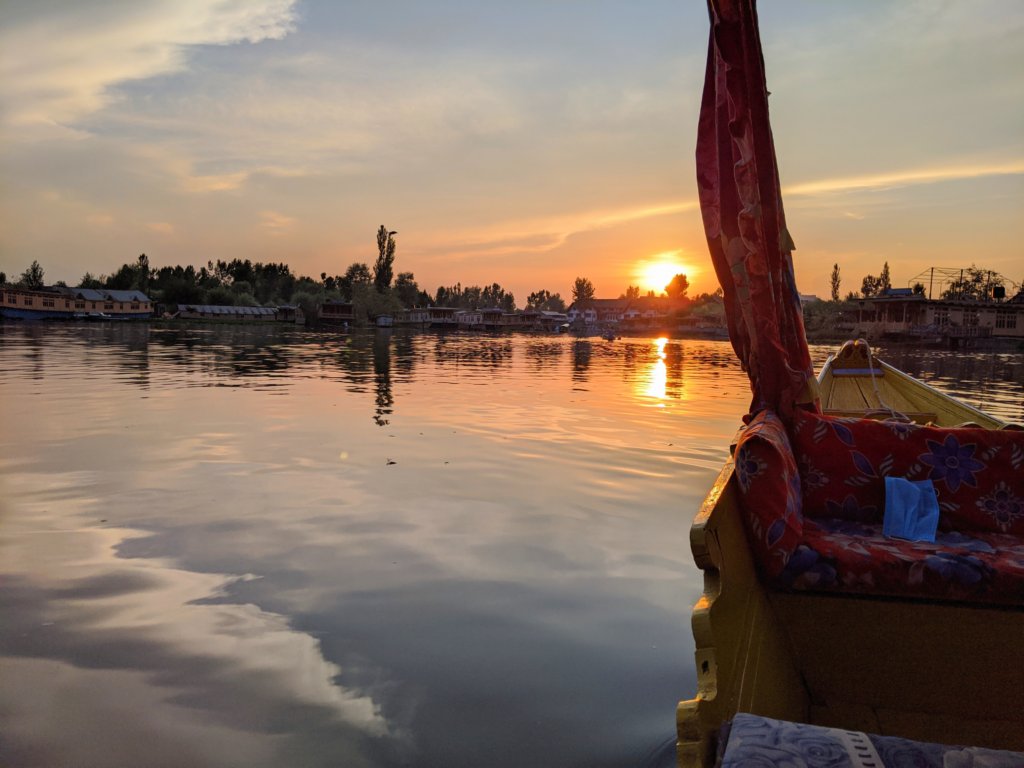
840, 555
769, 491
978, 473
814, 510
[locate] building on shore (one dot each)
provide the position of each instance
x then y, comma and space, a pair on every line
643, 312
901, 313
62, 303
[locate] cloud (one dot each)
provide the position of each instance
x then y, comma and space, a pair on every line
99, 220
903, 178
542, 234
219, 183
56, 68
160, 227
276, 223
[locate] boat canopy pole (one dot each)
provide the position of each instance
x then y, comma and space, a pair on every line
741, 203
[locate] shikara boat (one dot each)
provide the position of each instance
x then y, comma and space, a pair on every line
935, 670
821, 638
853, 382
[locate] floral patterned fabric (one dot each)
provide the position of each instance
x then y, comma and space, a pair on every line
769, 491
741, 205
840, 555
813, 508
978, 473
752, 741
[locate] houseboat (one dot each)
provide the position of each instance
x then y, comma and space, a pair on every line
334, 312
61, 303
900, 313
227, 313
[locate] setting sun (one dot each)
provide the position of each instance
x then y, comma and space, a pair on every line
654, 274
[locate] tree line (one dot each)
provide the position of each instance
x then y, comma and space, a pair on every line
974, 284
242, 282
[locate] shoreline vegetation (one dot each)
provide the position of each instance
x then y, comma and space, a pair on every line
366, 294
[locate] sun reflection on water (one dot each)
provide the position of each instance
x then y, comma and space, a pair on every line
656, 385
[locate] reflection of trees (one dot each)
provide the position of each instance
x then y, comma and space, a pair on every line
542, 354
404, 353
235, 352
478, 350
126, 344
581, 352
382, 375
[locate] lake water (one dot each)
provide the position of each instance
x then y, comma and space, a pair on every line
234, 546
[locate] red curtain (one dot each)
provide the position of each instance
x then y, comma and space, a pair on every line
741, 202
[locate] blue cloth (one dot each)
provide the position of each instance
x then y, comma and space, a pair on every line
911, 509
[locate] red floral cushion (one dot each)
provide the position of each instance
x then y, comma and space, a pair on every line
769, 491
978, 473
839, 555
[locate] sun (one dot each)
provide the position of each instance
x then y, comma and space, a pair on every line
657, 272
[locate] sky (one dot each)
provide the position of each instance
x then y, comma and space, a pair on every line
524, 143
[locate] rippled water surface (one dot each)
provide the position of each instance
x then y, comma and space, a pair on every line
234, 546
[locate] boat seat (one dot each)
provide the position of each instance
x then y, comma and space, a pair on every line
814, 501
751, 740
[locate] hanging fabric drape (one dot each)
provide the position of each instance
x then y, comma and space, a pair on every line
741, 203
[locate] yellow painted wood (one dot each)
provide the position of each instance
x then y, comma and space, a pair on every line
742, 657
889, 389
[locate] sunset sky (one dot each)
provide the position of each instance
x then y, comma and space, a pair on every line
523, 143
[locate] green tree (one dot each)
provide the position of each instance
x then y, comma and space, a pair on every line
545, 301
632, 292
32, 277
308, 302
143, 274
123, 279
3, 278
383, 269
974, 285
870, 286
582, 292
356, 275
918, 289
678, 287
884, 282
88, 281
834, 280
406, 289
221, 296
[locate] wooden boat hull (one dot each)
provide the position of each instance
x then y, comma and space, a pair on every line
912, 668
924, 670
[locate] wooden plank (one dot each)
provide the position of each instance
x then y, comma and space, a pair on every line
921, 664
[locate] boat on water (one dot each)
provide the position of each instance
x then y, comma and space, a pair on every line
853, 382
937, 668
61, 303
833, 629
